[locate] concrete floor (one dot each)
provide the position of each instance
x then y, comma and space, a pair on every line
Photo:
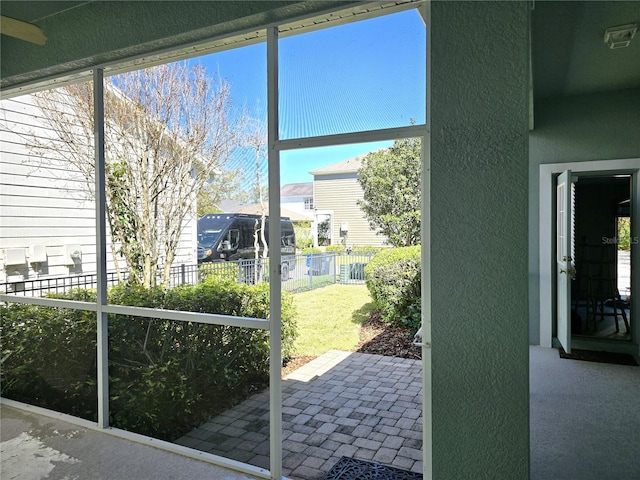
585, 419
36, 447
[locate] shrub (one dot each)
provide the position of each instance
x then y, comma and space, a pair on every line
304, 243
311, 250
49, 356
393, 280
304, 237
335, 248
165, 376
624, 233
220, 270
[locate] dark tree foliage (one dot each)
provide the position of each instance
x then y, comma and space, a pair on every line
391, 180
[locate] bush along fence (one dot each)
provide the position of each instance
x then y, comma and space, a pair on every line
165, 376
393, 280
299, 273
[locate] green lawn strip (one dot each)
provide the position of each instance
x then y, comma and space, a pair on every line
329, 318
297, 286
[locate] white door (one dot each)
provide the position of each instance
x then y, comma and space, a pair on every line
564, 255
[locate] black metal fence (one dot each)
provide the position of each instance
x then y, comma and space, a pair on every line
299, 273
38, 287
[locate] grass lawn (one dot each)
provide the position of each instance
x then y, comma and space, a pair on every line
329, 318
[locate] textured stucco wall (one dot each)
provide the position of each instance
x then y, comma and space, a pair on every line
580, 128
479, 234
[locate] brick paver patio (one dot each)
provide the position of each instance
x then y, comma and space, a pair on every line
341, 404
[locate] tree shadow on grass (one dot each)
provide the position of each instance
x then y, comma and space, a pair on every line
362, 314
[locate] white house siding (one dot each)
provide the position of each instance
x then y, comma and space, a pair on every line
296, 204
43, 202
339, 193
293, 197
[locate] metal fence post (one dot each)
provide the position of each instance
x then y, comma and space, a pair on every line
183, 274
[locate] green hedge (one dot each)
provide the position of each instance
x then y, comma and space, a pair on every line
303, 243
49, 356
393, 280
367, 249
359, 249
221, 270
165, 377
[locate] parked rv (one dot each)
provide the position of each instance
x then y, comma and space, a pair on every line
232, 237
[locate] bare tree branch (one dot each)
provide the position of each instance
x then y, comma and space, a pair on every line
168, 129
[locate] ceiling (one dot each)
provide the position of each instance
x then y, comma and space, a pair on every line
569, 55
33, 12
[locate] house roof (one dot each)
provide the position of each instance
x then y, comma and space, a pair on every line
230, 205
350, 165
256, 209
234, 206
297, 190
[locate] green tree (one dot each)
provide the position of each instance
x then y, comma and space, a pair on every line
223, 185
324, 233
624, 233
391, 181
207, 201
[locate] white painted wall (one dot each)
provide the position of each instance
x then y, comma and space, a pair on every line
296, 204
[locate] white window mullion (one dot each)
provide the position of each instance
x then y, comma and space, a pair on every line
394, 133
101, 250
275, 287
425, 223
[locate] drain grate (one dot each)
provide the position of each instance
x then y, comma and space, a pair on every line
348, 468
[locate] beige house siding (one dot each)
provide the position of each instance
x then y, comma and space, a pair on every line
339, 194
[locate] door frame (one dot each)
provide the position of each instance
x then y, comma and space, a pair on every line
547, 265
314, 226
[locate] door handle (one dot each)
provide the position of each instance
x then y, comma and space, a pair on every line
570, 271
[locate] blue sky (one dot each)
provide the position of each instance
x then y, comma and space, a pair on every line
362, 76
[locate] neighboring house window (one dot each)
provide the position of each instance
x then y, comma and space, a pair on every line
308, 203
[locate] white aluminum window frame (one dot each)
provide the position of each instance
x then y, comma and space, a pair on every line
273, 324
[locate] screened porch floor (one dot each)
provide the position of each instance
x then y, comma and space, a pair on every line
584, 424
